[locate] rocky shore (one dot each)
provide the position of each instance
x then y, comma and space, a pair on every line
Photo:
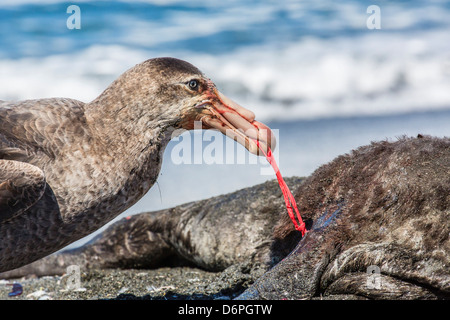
179, 283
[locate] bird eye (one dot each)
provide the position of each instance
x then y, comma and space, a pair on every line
193, 84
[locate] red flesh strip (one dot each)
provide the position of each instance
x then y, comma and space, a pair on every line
288, 197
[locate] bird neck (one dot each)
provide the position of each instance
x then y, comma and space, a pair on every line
123, 120
125, 154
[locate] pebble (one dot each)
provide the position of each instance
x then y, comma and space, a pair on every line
163, 283
37, 294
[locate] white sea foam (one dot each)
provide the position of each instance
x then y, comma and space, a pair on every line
368, 75
314, 78
404, 67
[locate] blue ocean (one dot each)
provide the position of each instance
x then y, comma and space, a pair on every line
328, 76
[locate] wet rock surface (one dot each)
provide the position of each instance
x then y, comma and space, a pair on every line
179, 283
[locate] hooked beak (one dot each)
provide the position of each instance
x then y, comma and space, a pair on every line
237, 123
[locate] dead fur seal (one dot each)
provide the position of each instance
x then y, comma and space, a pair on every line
382, 207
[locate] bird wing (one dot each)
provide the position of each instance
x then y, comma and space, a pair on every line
33, 129
21, 186
32, 134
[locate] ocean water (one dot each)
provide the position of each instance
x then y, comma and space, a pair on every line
283, 59
312, 70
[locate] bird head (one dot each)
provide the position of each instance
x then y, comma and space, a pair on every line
196, 98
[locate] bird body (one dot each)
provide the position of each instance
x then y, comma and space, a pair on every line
84, 183
68, 167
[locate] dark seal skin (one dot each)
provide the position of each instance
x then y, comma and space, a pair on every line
69, 167
383, 207
377, 221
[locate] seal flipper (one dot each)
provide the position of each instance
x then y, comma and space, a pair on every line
315, 270
131, 242
386, 271
128, 243
21, 186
